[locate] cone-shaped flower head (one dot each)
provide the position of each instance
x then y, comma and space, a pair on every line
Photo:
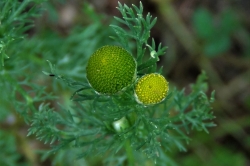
151, 89
111, 69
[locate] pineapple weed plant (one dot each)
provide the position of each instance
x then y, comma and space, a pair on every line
125, 105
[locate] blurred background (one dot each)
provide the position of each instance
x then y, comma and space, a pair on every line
208, 35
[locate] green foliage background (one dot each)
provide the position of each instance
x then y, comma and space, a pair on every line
216, 41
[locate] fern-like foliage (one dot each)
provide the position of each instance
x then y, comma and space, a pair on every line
99, 124
16, 18
138, 31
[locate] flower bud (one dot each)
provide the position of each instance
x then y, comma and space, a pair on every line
151, 89
111, 69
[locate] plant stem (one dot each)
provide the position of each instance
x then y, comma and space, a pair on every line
129, 151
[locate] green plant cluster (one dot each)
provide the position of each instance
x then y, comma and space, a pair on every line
15, 20
22, 84
99, 124
116, 127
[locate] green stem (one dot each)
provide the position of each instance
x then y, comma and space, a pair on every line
130, 155
139, 52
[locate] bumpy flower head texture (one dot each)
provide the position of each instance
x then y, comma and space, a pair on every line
111, 69
151, 89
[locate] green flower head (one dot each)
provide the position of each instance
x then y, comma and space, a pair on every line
111, 69
151, 89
